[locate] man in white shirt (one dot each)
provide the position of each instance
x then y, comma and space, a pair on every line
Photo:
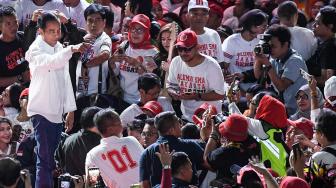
149, 86
208, 39
194, 78
75, 11
303, 40
50, 93
116, 158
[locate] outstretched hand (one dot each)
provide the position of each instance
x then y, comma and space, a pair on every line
164, 155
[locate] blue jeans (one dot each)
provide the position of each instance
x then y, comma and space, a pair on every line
47, 136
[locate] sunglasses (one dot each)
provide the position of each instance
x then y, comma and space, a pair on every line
184, 49
304, 97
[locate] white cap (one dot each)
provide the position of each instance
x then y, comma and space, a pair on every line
198, 4
330, 87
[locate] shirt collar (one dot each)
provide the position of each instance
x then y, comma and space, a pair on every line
286, 57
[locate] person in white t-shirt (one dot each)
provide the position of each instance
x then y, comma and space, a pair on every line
26, 8
238, 48
116, 158
194, 78
100, 51
208, 39
136, 59
303, 40
149, 86
75, 11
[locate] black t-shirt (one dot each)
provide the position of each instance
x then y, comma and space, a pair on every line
221, 159
327, 54
12, 61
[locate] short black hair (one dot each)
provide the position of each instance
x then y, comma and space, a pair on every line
255, 88
142, 7
7, 11
109, 15
287, 9
14, 95
252, 18
164, 121
148, 81
190, 131
179, 159
328, 16
86, 119
45, 18
102, 117
326, 124
138, 123
95, 9
9, 171
281, 32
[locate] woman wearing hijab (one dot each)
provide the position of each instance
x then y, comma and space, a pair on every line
303, 101
134, 57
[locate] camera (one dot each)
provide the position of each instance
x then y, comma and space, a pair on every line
264, 46
219, 118
65, 181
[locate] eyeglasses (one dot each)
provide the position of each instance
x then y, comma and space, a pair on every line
184, 49
94, 20
304, 97
137, 30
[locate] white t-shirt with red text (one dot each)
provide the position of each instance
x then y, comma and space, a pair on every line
129, 75
239, 53
210, 44
117, 159
203, 78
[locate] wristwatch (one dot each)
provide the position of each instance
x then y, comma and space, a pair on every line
20, 78
166, 167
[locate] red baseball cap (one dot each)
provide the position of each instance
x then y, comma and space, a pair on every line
293, 182
24, 93
234, 128
153, 106
187, 39
141, 19
305, 125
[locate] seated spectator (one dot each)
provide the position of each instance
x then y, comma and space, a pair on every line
200, 112
22, 118
7, 147
215, 16
149, 87
300, 127
27, 155
116, 158
149, 133
13, 66
72, 152
135, 127
9, 101
250, 93
284, 67
152, 108
190, 131
303, 101
169, 127
9, 172
315, 8
238, 148
320, 162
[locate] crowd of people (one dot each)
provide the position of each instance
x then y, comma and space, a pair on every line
167, 93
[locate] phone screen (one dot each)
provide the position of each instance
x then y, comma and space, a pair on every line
65, 184
94, 174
